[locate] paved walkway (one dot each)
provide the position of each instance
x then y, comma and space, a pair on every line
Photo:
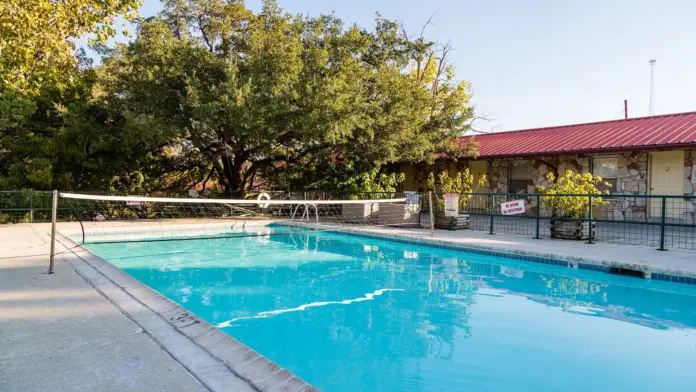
672, 261
57, 333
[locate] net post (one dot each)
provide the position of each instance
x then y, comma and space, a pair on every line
54, 213
538, 215
432, 219
31, 206
491, 207
589, 229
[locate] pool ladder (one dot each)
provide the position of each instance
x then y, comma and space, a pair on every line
306, 213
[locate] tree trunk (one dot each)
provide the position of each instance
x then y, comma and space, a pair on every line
232, 171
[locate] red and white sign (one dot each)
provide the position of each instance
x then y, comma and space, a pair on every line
513, 207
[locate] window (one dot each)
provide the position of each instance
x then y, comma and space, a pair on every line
519, 177
440, 167
608, 169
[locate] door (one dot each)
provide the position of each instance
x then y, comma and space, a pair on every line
478, 170
667, 178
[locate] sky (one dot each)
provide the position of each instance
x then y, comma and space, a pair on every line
539, 63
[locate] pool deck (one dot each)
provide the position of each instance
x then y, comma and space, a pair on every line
87, 328
641, 258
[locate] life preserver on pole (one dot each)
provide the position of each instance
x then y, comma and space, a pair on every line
263, 196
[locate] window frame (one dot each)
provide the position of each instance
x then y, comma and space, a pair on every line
615, 183
511, 180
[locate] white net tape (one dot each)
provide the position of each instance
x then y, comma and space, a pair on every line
101, 218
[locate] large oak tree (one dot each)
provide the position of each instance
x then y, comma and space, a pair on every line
303, 100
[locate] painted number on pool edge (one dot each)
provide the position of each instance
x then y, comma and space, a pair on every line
512, 207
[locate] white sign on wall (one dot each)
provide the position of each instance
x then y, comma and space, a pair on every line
451, 204
513, 207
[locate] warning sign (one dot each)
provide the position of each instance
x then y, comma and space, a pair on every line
451, 204
513, 207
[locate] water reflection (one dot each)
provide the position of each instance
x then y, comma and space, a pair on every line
457, 322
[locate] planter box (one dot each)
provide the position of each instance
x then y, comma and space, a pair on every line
451, 222
358, 213
572, 230
398, 214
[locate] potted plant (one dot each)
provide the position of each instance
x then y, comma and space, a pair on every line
570, 211
463, 184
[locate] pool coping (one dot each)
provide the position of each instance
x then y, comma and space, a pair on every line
649, 271
168, 322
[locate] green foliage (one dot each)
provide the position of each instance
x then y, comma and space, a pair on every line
209, 92
246, 91
44, 86
573, 184
374, 182
37, 38
462, 183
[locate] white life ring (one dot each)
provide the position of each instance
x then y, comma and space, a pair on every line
263, 196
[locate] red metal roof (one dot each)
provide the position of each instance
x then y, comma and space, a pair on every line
665, 131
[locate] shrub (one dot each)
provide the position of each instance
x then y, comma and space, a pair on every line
573, 184
374, 181
462, 183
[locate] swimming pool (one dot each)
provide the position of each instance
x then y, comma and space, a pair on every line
347, 313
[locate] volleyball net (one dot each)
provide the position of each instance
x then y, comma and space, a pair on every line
87, 218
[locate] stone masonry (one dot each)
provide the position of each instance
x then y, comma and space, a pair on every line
632, 179
690, 186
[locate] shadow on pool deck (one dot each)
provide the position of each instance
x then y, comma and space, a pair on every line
59, 333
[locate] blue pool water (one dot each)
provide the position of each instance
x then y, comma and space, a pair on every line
350, 314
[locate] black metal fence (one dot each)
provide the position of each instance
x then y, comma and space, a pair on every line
660, 221
25, 206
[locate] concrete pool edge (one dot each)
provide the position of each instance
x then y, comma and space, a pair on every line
214, 358
650, 271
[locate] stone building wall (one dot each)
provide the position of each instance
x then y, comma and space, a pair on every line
690, 187
498, 172
632, 167
633, 177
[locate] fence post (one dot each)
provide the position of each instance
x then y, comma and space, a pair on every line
538, 214
432, 216
589, 230
491, 208
54, 211
31, 206
663, 219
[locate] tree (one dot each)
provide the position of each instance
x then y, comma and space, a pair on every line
41, 82
37, 37
293, 97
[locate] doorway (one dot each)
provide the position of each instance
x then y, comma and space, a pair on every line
667, 178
